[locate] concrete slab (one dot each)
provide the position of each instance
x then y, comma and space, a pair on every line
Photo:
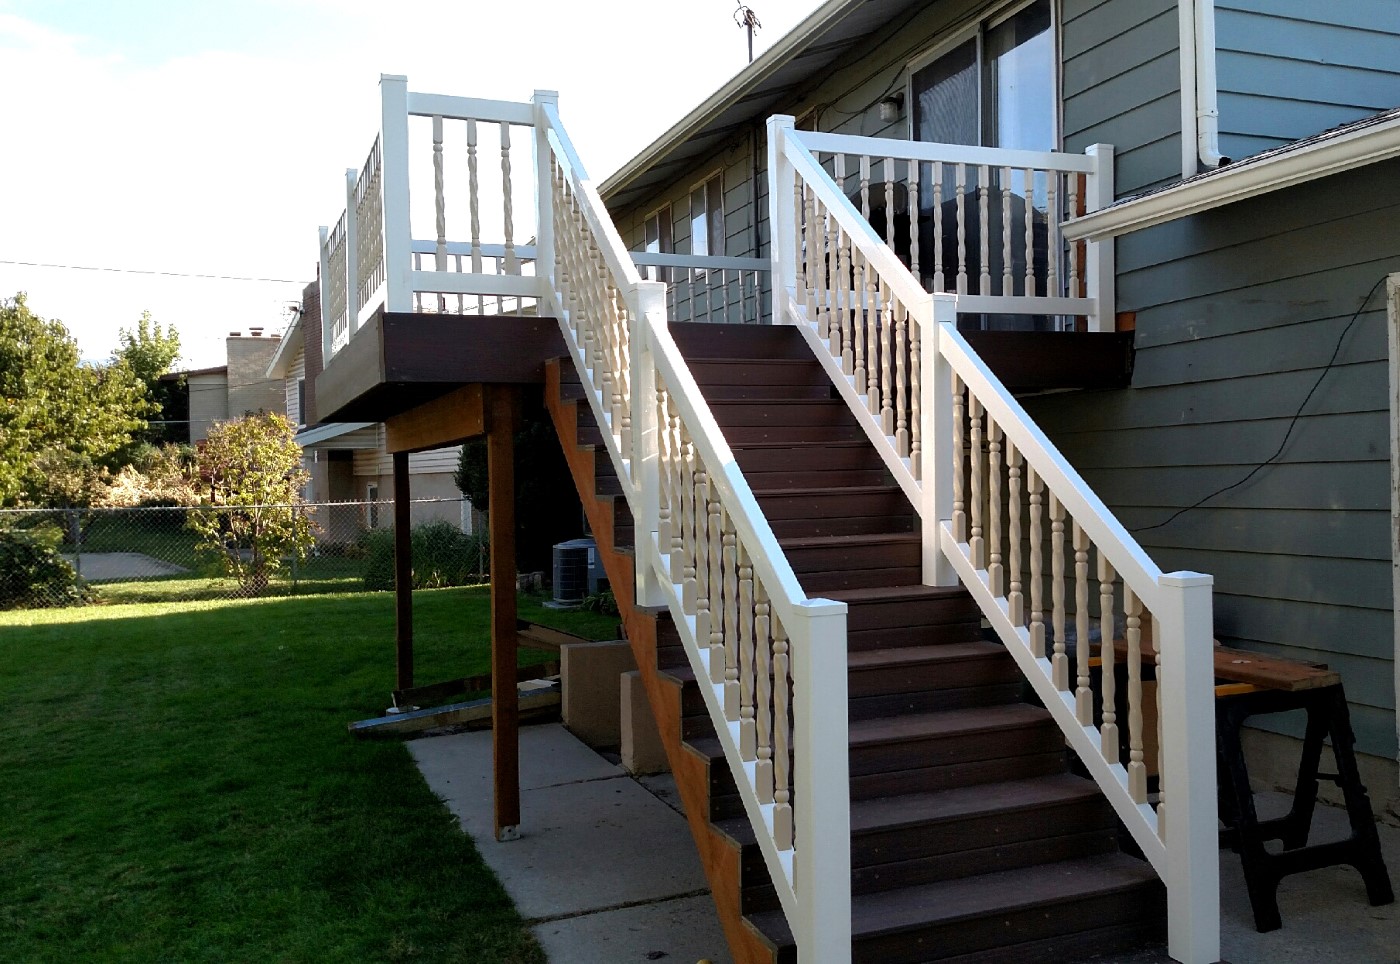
109, 566
680, 931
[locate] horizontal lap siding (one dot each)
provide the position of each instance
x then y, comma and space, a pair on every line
1122, 80
1288, 69
1238, 312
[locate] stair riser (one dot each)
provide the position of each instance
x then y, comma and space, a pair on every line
970, 862
819, 434
806, 458
711, 373
874, 554
925, 779
732, 344
950, 749
732, 413
823, 478
929, 701
814, 506
906, 614
758, 391
997, 931
815, 583
857, 526
934, 675
901, 636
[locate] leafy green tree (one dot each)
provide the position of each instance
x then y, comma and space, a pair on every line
251, 480
50, 402
150, 351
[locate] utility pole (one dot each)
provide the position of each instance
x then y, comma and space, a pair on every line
747, 19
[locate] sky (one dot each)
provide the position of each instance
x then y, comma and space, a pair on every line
199, 138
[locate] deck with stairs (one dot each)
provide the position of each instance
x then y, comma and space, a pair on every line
972, 840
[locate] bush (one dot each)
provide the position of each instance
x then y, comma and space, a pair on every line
32, 573
443, 555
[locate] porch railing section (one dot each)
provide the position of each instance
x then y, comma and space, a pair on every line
708, 288
1066, 587
772, 663
471, 148
983, 223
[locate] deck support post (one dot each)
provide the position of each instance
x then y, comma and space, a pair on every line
403, 575
505, 707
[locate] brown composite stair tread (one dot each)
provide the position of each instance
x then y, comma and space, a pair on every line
911, 809
898, 594
838, 542
942, 723
948, 902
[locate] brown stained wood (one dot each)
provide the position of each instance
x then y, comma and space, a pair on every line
1271, 672
449, 420
403, 575
720, 856
505, 708
436, 692
1027, 361
534, 636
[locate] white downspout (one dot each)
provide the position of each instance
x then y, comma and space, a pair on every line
1200, 110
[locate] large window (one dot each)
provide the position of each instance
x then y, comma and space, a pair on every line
707, 217
656, 239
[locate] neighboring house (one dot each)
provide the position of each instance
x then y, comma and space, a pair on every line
1060, 166
347, 460
233, 389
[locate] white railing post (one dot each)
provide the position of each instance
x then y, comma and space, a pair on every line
1186, 676
352, 254
936, 409
544, 102
326, 337
782, 218
393, 178
647, 306
822, 788
1100, 254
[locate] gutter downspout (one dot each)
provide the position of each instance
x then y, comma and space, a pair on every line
1200, 109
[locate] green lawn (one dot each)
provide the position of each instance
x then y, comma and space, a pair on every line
179, 785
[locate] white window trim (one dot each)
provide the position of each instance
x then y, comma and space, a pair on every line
715, 173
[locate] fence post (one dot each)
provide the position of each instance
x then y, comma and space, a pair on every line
822, 784
393, 179
782, 218
1186, 675
75, 526
545, 102
936, 410
1100, 254
647, 309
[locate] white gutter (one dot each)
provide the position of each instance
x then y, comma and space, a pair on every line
1284, 168
1200, 100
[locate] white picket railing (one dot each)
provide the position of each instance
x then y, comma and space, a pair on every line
772, 663
997, 500
983, 223
709, 288
373, 253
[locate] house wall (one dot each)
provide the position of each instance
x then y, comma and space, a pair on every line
1238, 312
208, 402
1288, 69
249, 388
296, 372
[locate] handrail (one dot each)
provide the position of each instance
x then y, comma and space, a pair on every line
771, 662
995, 499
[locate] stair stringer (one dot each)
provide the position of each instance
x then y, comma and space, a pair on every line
720, 855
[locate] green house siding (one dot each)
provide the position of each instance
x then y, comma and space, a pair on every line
1238, 313
1288, 69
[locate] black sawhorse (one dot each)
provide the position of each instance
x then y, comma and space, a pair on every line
1326, 707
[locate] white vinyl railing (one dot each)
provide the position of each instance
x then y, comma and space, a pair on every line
708, 288
771, 662
983, 223
472, 146
1006, 514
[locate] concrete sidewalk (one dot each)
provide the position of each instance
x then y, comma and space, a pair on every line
604, 870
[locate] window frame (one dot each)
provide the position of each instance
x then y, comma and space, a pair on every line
665, 241
714, 177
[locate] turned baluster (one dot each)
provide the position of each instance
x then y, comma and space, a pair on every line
960, 187
888, 171
1132, 633
815, 271
1083, 695
845, 299
1028, 185
439, 200
822, 274
901, 379
915, 173
782, 734
732, 608
1108, 731
701, 574
714, 542
474, 195
996, 579
512, 262
859, 321
916, 415
1007, 285
763, 703
976, 544
748, 736
887, 324
1035, 488
1015, 599
1059, 663
799, 257
665, 464
984, 281
959, 463
937, 205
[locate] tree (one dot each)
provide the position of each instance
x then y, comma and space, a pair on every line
50, 401
150, 352
251, 479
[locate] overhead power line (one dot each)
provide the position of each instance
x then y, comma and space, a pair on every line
147, 271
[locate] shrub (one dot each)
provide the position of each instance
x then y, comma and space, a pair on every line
443, 555
33, 574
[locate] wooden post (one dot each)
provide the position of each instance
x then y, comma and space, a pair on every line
403, 574
505, 709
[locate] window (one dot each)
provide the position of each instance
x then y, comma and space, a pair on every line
656, 239
707, 218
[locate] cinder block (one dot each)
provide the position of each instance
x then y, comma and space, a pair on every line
642, 750
588, 674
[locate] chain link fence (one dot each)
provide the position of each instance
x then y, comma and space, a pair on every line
59, 557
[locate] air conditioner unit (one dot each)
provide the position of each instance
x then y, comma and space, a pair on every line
572, 562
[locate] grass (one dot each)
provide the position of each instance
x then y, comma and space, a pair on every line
179, 785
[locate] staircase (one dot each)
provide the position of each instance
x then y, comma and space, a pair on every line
971, 838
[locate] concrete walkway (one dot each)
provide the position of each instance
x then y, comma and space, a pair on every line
606, 871
108, 566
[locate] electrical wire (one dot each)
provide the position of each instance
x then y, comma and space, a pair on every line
147, 271
1293, 422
